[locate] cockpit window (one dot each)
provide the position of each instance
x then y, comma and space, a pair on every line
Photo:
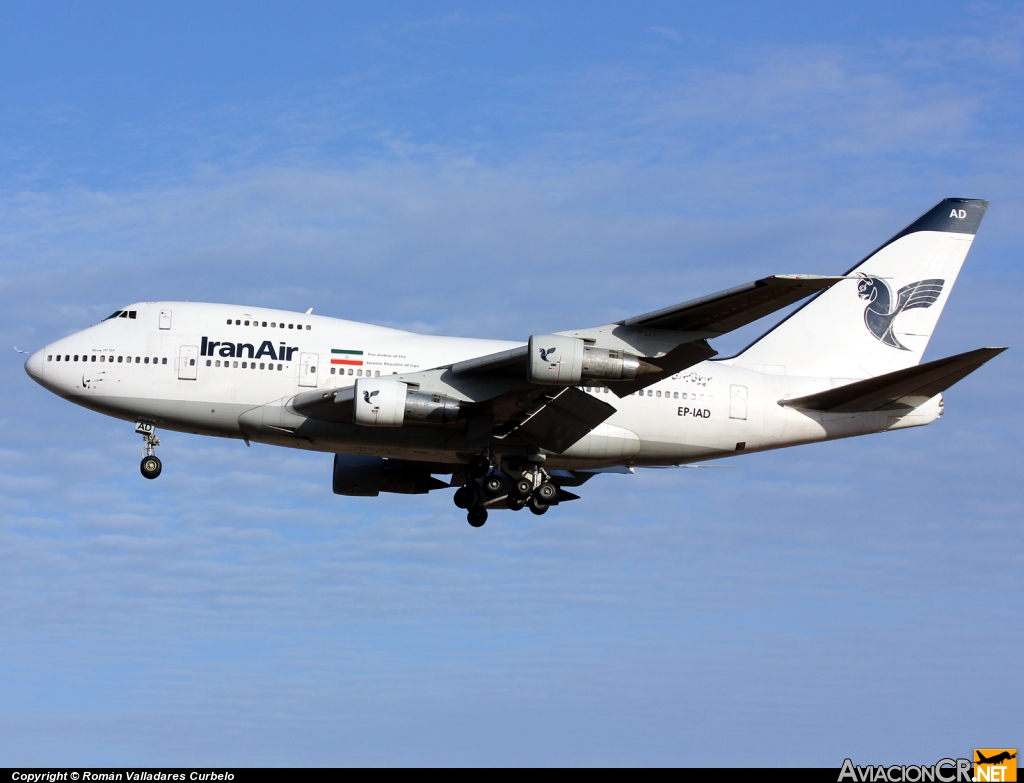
115, 315
121, 314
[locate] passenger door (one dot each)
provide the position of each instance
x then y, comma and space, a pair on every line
737, 402
188, 362
308, 368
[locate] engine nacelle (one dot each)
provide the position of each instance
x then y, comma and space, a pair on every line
379, 402
387, 402
555, 359
369, 476
565, 361
428, 408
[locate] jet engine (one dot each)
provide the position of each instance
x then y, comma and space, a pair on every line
369, 476
387, 402
565, 361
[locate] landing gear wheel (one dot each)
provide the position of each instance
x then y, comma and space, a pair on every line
493, 485
547, 492
477, 516
151, 467
464, 497
478, 466
524, 487
537, 506
515, 503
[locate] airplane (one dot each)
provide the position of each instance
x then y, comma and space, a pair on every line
999, 758
519, 424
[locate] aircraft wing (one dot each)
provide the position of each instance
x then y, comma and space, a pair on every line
896, 390
735, 307
709, 316
500, 400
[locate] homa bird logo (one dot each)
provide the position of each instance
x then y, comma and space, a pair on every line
545, 353
369, 395
882, 311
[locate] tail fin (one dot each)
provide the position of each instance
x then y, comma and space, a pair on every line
880, 321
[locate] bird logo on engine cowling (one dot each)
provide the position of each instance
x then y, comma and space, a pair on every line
881, 311
545, 353
368, 395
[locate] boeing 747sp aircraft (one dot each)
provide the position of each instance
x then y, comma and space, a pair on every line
511, 425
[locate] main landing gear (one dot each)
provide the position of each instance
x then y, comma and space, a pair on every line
151, 465
534, 489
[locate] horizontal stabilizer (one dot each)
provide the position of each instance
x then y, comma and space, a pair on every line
901, 389
728, 310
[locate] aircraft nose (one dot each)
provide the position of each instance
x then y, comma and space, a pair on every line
34, 365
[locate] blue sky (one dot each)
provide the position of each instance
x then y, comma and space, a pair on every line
501, 170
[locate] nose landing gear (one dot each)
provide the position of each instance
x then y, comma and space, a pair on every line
151, 465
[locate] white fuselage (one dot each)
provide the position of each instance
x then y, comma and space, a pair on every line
201, 368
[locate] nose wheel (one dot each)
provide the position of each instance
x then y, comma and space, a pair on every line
151, 467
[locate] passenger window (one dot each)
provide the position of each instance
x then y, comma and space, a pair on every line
657, 394
58, 357
76, 357
163, 361
246, 323
273, 324
359, 373
229, 322
208, 362
103, 358
92, 358
261, 365
264, 323
332, 370
137, 359
307, 327
675, 395
120, 359
243, 365
376, 373
147, 359
234, 364
279, 368
291, 326
218, 363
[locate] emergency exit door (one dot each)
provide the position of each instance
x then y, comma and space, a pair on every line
737, 402
188, 362
308, 368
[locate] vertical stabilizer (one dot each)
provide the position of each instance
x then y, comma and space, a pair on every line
881, 320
